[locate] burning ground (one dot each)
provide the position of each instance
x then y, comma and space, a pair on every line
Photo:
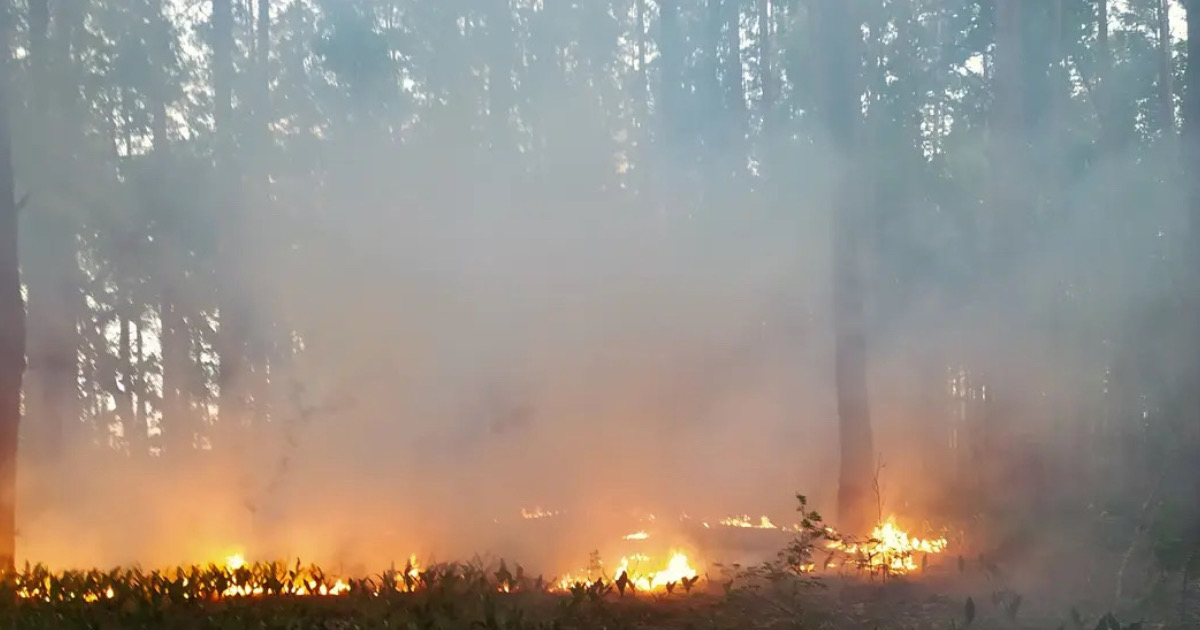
661, 573
660, 556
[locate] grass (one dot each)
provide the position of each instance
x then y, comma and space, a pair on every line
777, 594
471, 595
441, 597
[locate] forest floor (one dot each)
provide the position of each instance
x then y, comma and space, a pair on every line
900, 604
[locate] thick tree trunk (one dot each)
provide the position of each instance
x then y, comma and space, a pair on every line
12, 313
841, 91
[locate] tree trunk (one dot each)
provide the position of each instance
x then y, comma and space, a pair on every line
231, 341
1166, 71
39, 39
1104, 65
735, 90
766, 83
643, 80
1191, 170
734, 87
139, 386
125, 396
178, 431
714, 25
842, 70
500, 83
1008, 130
1001, 234
670, 74
765, 76
258, 342
51, 272
12, 313
263, 48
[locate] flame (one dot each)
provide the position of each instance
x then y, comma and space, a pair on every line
745, 521
889, 549
235, 562
537, 513
677, 569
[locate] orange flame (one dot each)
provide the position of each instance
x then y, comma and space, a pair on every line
889, 549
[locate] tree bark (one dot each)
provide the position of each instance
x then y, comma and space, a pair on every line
840, 37
12, 311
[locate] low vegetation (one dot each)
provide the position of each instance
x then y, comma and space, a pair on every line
794, 590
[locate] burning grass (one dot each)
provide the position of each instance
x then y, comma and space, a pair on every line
491, 595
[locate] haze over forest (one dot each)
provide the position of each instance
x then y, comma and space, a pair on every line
353, 279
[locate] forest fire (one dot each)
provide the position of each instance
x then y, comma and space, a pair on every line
237, 579
746, 522
888, 549
638, 572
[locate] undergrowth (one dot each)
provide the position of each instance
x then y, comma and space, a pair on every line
782, 593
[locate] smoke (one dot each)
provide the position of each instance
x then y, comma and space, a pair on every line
486, 331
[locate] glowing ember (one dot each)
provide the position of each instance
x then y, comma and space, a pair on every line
744, 521
642, 535
889, 549
537, 513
